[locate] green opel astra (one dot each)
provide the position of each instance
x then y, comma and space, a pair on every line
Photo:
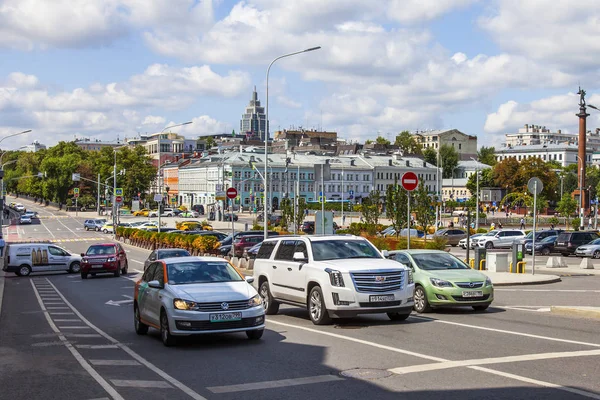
443, 280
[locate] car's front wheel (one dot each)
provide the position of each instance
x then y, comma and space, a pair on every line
140, 327
596, 254
255, 334
117, 272
545, 251
165, 333
74, 268
270, 305
421, 303
489, 245
394, 316
316, 307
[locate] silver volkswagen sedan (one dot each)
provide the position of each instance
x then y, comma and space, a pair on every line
592, 249
196, 295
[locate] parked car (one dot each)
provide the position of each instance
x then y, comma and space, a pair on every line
167, 212
104, 258
219, 235
31, 214
568, 241
543, 247
196, 295
19, 207
93, 224
160, 254
592, 249
147, 224
539, 235
227, 217
25, 258
308, 227
332, 276
463, 242
108, 227
199, 208
245, 242
452, 235
25, 219
190, 214
443, 280
498, 239
141, 213
252, 252
162, 229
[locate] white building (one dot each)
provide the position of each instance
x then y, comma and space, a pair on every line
465, 145
564, 154
539, 135
455, 188
33, 147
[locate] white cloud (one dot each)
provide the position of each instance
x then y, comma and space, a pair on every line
203, 125
153, 120
411, 11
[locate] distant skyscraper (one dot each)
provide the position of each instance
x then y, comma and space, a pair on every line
254, 121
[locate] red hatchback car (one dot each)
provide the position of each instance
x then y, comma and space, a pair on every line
245, 242
104, 258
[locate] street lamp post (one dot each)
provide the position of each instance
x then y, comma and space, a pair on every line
267, 133
2, 178
477, 196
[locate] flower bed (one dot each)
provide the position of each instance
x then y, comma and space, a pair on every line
197, 245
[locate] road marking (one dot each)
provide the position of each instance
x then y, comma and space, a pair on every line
84, 364
275, 384
57, 308
48, 303
526, 308
552, 339
82, 335
132, 353
549, 290
493, 360
47, 344
73, 327
97, 346
67, 320
424, 356
141, 384
61, 313
45, 227
114, 362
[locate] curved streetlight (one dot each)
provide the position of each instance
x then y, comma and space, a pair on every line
9, 136
266, 216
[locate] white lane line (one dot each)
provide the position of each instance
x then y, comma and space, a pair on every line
47, 344
114, 362
82, 335
61, 313
73, 327
132, 353
45, 227
493, 360
67, 320
552, 339
97, 346
424, 356
50, 303
549, 290
141, 384
137, 261
275, 384
84, 364
57, 308
72, 231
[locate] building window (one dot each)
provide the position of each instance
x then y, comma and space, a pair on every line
460, 146
560, 157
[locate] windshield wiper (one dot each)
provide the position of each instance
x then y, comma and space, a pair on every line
360, 257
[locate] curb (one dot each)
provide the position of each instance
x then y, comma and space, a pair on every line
554, 279
586, 312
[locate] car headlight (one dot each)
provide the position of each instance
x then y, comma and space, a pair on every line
184, 304
255, 301
335, 277
440, 282
410, 277
111, 259
488, 281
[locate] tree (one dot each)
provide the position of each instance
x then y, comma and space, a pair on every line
210, 142
407, 143
448, 160
487, 155
396, 206
382, 140
506, 174
368, 141
567, 207
60, 162
302, 207
371, 209
423, 208
486, 179
287, 212
430, 155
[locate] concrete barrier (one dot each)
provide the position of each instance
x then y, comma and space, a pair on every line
251, 264
586, 263
243, 263
556, 262
235, 261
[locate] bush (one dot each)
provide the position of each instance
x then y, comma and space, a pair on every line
482, 230
575, 222
553, 220
400, 243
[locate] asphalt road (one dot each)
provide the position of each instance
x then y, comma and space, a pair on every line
60, 339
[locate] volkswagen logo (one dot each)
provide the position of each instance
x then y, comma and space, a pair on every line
471, 284
380, 279
224, 306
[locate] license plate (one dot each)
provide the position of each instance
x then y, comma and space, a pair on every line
97, 262
387, 297
97, 266
473, 293
560, 244
223, 317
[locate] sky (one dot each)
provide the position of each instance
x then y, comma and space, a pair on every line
108, 69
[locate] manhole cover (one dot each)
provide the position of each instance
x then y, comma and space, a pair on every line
366, 374
350, 326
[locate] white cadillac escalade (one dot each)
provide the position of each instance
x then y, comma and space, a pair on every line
332, 276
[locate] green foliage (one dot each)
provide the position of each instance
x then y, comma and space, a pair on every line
567, 207
300, 213
371, 208
396, 202
482, 230
424, 212
407, 143
553, 220
575, 223
287, 212
487, 155
430, 155
448, 160
382, 140
486, 179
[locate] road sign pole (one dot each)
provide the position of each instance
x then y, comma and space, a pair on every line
75, 206
534, 225
408, 222
232, 222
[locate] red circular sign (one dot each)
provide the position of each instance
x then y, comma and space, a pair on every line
410, 181
231, 193
119, 199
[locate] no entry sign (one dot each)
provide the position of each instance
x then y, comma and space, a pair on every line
232, 193
410, 181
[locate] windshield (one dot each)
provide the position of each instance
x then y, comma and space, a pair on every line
185, 273
549, 239
492, 233
100, 250
173, 253
437, 261
343, 249
595, 241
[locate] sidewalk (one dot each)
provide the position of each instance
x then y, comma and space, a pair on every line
508, 279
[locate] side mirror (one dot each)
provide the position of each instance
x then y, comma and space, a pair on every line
385, 253
82, 254
249, 279
155, 284
299, 256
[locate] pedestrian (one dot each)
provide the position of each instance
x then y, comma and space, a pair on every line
492, 226
551, 226
522, 223
499, 225
590, 222
2, 244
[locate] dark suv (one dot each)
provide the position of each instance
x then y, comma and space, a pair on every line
567, 242
540, 235
104, 258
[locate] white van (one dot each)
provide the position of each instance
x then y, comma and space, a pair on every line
25, 258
